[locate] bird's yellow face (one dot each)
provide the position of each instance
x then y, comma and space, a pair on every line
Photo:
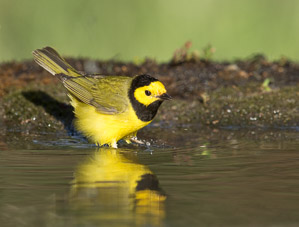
148, 94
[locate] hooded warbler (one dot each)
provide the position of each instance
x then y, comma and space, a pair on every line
113, 181
107, 108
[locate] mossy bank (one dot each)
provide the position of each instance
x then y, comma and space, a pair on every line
242, 94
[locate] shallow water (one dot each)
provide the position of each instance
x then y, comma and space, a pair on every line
206, 178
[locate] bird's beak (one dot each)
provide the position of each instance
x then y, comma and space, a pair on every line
165, 96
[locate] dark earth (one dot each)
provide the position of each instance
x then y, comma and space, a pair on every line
250, 93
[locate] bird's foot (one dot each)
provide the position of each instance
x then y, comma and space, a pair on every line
114, 145
140, 142
135, 140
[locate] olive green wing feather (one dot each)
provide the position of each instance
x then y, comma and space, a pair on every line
108, 94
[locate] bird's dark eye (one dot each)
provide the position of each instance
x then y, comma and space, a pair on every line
147, 92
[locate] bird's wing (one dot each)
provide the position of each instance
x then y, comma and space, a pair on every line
108, 94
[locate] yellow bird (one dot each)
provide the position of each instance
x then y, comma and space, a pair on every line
114, 182
107, 108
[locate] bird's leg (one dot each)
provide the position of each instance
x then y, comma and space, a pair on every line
129, 137
128, 140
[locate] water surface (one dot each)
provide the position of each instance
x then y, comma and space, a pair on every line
206, 178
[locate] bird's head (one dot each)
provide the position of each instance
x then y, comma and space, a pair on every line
148, 90
146, 95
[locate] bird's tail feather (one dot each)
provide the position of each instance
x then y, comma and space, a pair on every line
50, 60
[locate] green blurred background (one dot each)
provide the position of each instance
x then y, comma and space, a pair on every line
134, 29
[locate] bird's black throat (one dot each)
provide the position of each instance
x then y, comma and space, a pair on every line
143, 112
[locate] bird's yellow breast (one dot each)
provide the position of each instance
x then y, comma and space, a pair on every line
105, 128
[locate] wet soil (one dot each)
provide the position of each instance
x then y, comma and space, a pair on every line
251, 93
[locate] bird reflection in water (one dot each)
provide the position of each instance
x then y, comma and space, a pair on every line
111, 186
